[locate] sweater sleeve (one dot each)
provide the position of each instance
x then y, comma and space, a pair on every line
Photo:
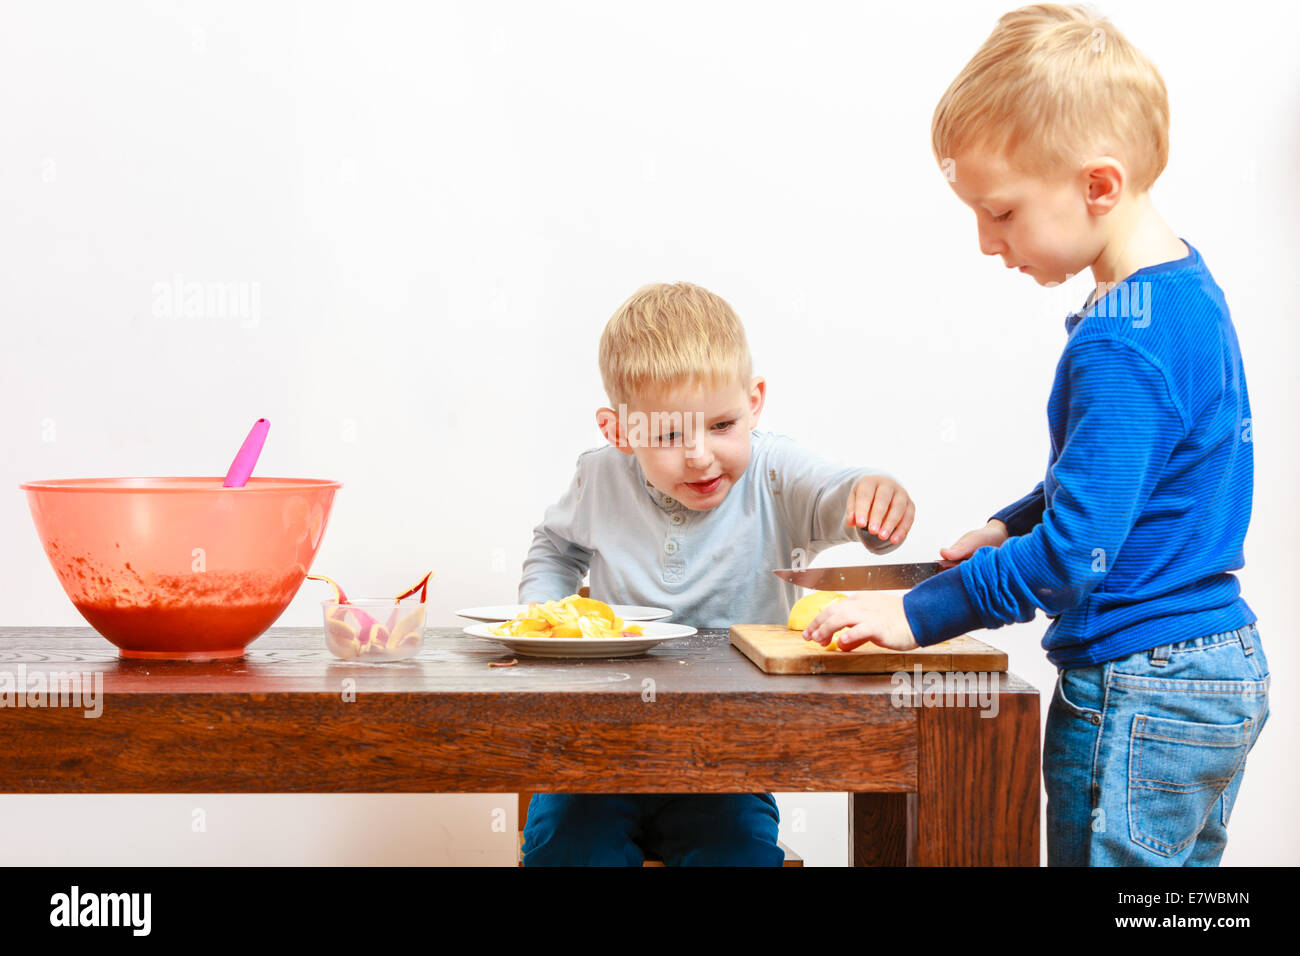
555, 565
1021, 516
813, 493
1121, 428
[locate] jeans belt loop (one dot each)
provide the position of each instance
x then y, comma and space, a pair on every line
1247, 643
1160, 655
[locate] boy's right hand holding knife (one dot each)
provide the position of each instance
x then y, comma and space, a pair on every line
991, 535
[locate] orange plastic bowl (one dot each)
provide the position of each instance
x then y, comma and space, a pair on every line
180, 568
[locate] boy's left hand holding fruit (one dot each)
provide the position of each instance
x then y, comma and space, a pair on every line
870, 616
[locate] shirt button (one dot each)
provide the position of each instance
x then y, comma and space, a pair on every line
677, 519
669, 502
670, 546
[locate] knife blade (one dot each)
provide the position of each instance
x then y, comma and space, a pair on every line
864, 577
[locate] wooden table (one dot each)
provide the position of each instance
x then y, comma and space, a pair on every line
928, 785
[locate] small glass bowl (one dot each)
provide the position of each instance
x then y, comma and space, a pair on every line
374, 631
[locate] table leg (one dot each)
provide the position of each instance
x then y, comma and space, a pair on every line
882, 829
978, 784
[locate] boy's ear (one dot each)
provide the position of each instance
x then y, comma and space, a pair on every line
757, 396
609, 425
1104, 180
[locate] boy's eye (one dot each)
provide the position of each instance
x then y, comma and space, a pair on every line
671, 438
1004, 217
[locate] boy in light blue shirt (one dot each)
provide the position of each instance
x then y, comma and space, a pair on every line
712, 568
688, 508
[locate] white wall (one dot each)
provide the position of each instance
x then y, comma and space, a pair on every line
440, 205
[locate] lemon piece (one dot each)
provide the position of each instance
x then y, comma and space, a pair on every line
808, 607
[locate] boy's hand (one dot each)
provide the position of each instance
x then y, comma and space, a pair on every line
992, 534
877, 618
880, 505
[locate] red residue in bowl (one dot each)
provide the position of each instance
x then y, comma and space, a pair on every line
204, 615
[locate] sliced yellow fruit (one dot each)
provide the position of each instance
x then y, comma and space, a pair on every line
592, 606
570, 617
522, 627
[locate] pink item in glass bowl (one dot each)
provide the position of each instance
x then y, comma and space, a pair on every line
180, 568
353, 630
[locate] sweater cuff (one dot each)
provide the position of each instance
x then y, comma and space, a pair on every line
940, 608
1021, 516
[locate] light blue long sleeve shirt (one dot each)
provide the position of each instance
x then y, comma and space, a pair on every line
710, 568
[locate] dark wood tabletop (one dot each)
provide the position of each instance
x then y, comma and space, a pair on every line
931, 784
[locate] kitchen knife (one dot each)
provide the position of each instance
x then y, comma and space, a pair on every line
865, 577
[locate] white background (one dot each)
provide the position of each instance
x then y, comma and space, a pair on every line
440, 205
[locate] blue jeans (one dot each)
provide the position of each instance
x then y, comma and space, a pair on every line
1143, 756
691, 829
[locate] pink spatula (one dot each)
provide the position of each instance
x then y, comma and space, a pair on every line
242, 467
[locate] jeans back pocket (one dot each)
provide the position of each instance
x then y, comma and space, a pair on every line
1178, 769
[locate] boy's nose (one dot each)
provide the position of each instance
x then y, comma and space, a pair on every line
990, 245
700, 457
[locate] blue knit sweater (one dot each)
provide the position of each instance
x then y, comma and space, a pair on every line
1129, 540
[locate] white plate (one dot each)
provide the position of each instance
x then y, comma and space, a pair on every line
508, 612
584, 646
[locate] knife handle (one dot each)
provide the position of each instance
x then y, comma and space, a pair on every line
874, 543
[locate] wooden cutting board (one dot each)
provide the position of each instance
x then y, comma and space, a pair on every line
779, 650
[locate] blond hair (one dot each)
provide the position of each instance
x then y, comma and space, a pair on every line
669, 334
1051, 86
